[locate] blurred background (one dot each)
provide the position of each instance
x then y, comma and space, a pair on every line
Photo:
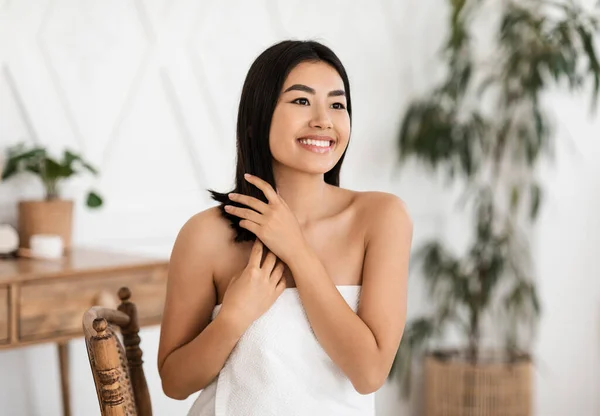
146, 91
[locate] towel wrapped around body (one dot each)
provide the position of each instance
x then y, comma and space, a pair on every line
279, 368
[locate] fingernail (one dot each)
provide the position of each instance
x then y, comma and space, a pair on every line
247, 175
227, 207
231, 195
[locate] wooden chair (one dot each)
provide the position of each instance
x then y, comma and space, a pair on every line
117, 367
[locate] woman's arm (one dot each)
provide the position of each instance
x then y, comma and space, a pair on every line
192, 349
363, 345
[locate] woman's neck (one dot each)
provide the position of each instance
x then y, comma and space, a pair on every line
305, 194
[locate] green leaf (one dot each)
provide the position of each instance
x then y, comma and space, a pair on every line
94, 200
523, 299
514, 198
594, 67
536, 198
20, 160
55, 170
10, 169
70, 158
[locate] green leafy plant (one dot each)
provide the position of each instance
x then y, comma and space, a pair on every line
485, 126
51, 171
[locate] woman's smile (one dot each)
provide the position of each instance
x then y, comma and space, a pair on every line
317, 144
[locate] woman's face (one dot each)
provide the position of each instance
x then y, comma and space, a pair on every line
310, 128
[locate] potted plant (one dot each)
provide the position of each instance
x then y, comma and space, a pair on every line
485, 126
51, 215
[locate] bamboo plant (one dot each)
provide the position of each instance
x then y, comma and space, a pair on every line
485, 126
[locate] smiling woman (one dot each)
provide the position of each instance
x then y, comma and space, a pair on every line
289, 297
310, 117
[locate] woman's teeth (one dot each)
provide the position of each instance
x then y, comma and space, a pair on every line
320, 143
317, 146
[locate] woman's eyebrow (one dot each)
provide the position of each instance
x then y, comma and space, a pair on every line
301, 87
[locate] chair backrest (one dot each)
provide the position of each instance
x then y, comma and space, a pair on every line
117, 366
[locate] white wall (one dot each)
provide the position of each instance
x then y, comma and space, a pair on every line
567, 249
148, 90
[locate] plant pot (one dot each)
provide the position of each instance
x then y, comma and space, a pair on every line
45, 217
456, 387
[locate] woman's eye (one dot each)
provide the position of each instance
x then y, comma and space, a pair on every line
304, 101
301, 101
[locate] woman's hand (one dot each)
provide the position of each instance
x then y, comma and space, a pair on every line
274, 223
252, 293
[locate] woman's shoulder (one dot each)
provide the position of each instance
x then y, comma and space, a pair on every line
373, 208
370, 203
208, 228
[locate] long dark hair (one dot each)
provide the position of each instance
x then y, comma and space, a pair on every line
260, 93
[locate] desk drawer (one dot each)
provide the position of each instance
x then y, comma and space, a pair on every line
54, 308
3, 315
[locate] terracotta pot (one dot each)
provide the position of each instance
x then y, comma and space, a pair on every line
45, 217
455, 387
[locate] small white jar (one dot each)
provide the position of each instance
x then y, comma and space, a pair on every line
47, 246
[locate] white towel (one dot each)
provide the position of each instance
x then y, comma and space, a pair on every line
278, 368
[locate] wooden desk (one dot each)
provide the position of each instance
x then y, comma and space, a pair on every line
44, 300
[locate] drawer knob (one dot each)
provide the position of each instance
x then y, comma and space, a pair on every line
124, 294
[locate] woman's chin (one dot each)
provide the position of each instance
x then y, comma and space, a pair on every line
314, 169
307, 165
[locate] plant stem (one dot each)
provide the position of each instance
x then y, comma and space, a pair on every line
51, 190
473, 349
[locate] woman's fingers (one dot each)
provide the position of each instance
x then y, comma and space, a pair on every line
277, 273
244, 213
255, 204
264, 186
280, 287
269, 262
256, 254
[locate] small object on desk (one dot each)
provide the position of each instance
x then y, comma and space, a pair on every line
46, 246
9, 240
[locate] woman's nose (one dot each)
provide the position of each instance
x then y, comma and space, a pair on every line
320, 119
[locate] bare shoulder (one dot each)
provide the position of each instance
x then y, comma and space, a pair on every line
380, 210
375, 203
203, 241
207, 229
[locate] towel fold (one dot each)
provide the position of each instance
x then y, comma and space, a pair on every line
279, 368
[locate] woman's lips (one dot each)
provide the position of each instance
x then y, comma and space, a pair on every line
312, 145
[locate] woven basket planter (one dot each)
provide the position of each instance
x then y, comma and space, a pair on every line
455, 387
45, 217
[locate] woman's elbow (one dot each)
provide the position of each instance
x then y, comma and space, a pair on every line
367, 388
172, 391
169, 387
369, 383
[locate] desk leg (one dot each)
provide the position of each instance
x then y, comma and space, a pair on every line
63, 357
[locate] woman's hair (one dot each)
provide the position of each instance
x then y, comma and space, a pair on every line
260, 94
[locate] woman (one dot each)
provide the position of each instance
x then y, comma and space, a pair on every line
289, 298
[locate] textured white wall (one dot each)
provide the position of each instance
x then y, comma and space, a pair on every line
148, 90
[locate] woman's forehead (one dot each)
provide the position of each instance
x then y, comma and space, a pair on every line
316, 75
